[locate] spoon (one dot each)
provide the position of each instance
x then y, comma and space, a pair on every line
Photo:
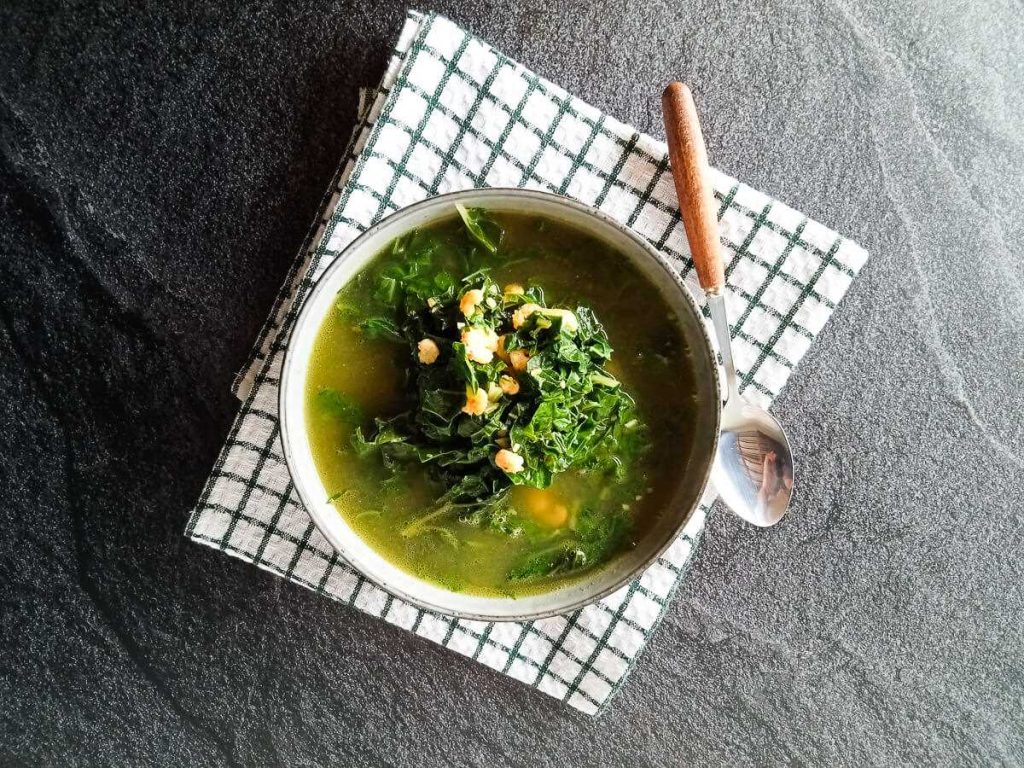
753, 470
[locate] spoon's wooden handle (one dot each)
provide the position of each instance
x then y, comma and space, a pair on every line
689, 159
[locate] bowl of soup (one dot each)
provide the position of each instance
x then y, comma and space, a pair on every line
499, 404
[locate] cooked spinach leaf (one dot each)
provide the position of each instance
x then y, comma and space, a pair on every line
380, 328
596, 538
503, 390
480, 227
340, 406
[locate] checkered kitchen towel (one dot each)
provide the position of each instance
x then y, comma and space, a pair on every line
452, 113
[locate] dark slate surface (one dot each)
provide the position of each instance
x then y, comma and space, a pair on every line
157, 172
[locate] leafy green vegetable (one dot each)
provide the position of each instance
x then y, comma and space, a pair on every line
501, 518
340, 406
517, 393
481, 228
566, 408
380, 328
346, 311
446, 535
596, 538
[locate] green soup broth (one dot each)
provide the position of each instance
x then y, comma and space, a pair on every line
650, 359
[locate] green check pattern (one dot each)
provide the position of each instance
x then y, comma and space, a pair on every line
453, 113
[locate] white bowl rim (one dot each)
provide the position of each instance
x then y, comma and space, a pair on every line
344, 552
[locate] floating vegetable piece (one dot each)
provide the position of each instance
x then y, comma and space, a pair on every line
481, 228
340, 406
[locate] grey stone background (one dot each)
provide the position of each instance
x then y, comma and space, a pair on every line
158, 170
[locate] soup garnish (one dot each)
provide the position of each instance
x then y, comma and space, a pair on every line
508, 451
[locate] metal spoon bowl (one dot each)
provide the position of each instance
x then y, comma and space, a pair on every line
753, 470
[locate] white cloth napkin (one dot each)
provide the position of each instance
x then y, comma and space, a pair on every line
453, 113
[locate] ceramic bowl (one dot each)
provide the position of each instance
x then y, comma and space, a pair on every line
578, 592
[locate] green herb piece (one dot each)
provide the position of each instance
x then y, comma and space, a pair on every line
499, 517
422, 524
481, 228
380, 328
338, 405
446, 535
346, 311
597, 537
